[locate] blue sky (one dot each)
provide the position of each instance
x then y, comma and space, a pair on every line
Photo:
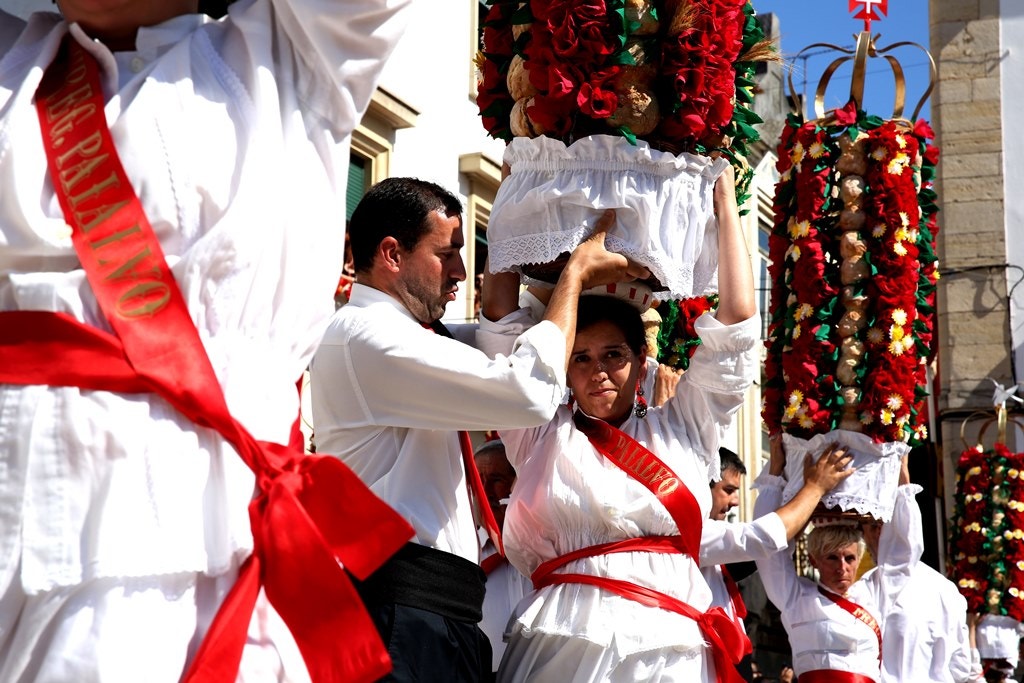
803, 22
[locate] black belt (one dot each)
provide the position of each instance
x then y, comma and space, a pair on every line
429, 579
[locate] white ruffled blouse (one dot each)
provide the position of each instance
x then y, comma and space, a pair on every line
235, 136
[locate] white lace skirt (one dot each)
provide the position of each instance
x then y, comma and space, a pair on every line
871, 490
555, 195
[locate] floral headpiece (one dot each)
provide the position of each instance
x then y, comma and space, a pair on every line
675, 73
987, 538
853, 270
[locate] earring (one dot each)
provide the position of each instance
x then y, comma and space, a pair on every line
640, 404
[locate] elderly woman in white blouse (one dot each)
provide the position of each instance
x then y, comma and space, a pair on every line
835, 624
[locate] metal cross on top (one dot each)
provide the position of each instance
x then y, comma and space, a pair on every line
870, 10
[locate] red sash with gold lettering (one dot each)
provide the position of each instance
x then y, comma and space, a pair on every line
310, 512
858, 612
727, 640
638, 462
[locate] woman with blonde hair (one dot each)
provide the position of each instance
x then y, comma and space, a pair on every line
835, 623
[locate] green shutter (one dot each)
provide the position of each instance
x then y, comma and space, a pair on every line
356, 184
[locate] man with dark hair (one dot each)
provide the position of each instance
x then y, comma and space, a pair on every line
725, 492
391, 390
723, 578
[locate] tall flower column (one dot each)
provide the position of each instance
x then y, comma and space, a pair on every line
853, 270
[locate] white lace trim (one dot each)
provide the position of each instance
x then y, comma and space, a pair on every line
871, 490
556, 193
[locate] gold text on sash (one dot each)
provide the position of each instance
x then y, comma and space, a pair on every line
88, 178
644, 467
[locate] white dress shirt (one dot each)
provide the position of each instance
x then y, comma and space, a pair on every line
235, 137
567, 496
723, 542
924, 634
388, 397
924, 616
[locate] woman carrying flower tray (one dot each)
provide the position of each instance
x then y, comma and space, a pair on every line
610, 496
835, 625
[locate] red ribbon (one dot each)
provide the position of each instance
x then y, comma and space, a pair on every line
739, 608
310, 512
735, 596
727, 640
492, 562
649, 544
476, 487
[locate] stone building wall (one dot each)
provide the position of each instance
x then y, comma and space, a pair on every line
973, 313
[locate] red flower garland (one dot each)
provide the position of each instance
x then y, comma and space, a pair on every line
800, 250
892, 233
853, 269
987, 539
575, 49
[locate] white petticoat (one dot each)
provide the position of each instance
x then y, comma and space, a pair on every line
555, 195
871, 490
540, 658
998, 638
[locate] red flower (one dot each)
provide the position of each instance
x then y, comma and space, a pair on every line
847, 116
497, 35
923, 129
552, 113
594, 99
579, 28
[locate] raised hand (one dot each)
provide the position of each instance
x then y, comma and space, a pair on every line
594, 265
830, 469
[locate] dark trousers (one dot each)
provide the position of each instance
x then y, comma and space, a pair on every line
426, 605
429, 648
